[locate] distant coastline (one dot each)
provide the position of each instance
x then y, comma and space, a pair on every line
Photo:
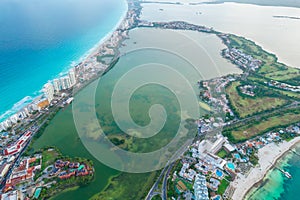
286, 3
286, 17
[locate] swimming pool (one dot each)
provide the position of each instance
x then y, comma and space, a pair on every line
231, 166
217, 197
37, 193
219, 173
237, 156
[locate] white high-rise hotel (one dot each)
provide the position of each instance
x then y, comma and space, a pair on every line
72, 77
56, 85
63, 83
48, 91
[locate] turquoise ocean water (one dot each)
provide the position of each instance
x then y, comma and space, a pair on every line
41, 39
276, 185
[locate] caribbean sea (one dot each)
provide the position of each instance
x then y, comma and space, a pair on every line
41, 39
276, 185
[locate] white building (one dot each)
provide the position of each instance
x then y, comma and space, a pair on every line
26, 110
48, 91
72, 77
56, 85
65, 82
1, 127
6, 124
14, 118
22, 114
200, 188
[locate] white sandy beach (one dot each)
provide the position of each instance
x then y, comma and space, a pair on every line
268, 156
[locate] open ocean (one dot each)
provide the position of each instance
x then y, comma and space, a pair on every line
41, 39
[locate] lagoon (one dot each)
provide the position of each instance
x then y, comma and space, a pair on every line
277, 35
62, 131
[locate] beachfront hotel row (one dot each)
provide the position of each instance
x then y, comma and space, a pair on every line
52, 89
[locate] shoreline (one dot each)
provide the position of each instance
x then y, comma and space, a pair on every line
268, 158
84, 58
266, 165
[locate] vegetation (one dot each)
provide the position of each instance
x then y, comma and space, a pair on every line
266, 98
223, 186
49, 156
246, 106
253, 159
128, 186
249, 130
222, 153
271, 68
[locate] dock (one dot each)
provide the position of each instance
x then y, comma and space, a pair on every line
295, 152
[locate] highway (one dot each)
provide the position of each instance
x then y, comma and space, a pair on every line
165, 173
152, 192
165, 182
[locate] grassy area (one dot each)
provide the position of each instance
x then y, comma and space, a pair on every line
271, 68
247, 106
259, 127
48, 158
125, 186
267, 98
223, 186
260, 80
222, 153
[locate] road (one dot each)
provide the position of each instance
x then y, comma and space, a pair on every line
165, 182
34, 130
165, 173
257, 117
152, 193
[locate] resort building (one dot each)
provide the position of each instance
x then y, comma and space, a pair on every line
12, 195
72, 77
65, 82
18, 145
200, 188
56, 85
48, 90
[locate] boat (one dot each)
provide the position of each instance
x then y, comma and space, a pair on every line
287, 174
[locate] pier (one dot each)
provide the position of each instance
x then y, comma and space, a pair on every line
295, 152
287, 174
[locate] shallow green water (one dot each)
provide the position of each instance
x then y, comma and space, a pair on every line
62, 132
